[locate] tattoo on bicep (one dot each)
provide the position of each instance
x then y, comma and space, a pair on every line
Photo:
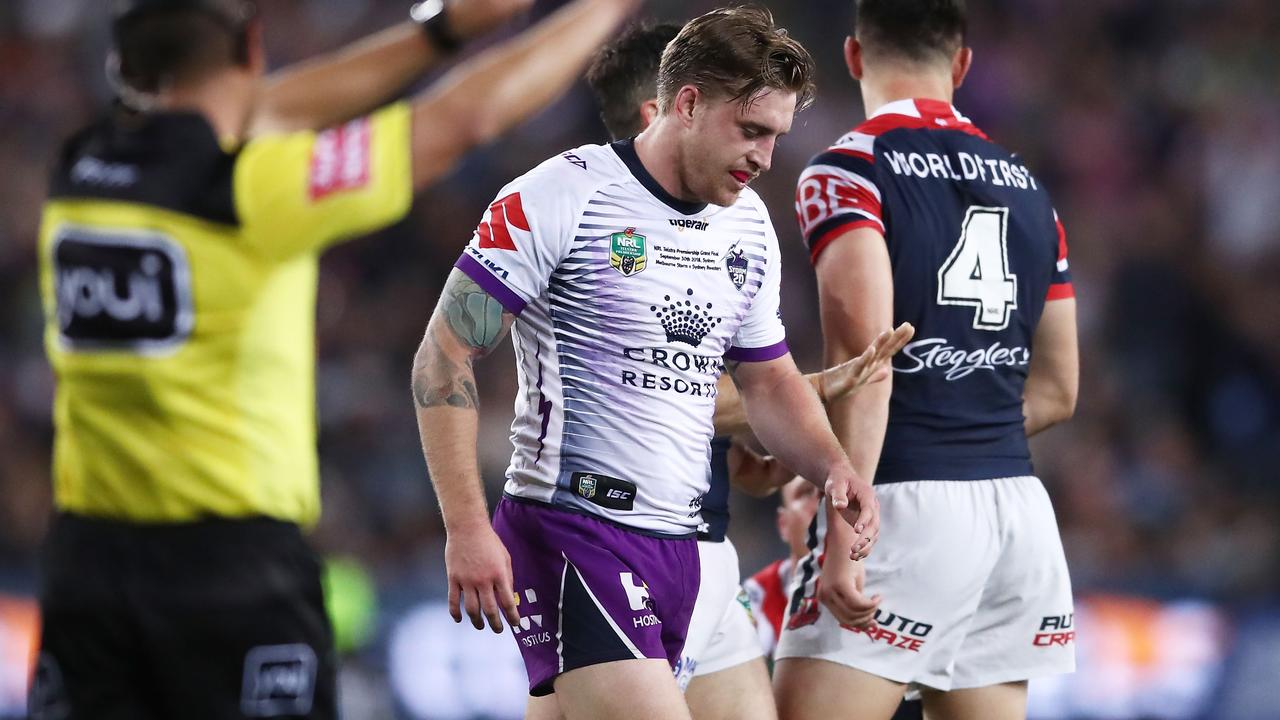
478, 323
731, 367
473, 314
438, 381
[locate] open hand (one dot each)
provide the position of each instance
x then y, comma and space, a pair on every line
872, 366
479, 572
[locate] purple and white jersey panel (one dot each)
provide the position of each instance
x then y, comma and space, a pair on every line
627, 302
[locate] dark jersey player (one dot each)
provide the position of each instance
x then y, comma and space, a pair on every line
917, 216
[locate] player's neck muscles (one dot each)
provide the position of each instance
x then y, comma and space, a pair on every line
890, 87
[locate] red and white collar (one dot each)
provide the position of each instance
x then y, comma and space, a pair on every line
917, 113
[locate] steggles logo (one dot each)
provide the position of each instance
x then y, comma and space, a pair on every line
684, 321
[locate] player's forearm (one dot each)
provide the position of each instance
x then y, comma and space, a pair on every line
444, 393
790, 422
1045, 406
334, 88
485, 97
730, 416
859, 421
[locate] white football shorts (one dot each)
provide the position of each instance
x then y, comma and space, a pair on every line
722, 631
974, 583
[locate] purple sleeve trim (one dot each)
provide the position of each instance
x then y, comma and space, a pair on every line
513, 303
760, 354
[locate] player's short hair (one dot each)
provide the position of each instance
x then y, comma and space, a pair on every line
737, 51
178, 43
913, 30
624, 74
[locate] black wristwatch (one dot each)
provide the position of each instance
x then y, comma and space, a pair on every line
433, 18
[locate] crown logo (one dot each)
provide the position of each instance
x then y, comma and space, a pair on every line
684, 321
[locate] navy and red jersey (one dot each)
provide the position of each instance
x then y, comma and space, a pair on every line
976, 250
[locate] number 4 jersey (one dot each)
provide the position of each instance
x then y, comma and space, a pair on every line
976, 251
627, 302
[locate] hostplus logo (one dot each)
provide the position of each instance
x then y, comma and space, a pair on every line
685, 321
529, 632
638, 598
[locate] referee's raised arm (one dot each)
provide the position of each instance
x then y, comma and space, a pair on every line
472, 105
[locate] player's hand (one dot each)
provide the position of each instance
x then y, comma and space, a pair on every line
856, 501
472, 18
872, 366
479, 572
841, 592
754, 474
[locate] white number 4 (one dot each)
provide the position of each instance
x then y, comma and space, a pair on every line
977, 271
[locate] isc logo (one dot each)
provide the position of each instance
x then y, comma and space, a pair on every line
118, 291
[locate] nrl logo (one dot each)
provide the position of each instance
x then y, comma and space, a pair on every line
736, 264
627, 252
587, 486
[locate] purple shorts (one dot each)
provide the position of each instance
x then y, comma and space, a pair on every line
591, 592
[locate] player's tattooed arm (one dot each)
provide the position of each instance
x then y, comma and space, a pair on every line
468, 323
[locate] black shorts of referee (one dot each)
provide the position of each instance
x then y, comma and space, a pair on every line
213, 619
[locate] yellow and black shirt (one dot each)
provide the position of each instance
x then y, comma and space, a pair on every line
179, 288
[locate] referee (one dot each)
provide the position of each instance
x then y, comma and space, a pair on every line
178, 258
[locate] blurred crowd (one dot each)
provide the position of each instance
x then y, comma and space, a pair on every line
1155, 124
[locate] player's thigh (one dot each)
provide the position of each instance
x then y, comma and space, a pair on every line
591, 592
623, 690
546, 707
1024, 626
936, 550
718, 590
1006, 701
807, 689
741, 692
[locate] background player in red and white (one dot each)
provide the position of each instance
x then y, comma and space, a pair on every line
916, 216
622, 325
798, 501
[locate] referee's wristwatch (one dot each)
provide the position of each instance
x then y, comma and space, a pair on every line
433, 17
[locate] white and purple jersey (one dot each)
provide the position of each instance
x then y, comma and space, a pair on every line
627, 301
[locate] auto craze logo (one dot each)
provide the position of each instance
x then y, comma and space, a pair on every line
936, 353
121, 291
895, 631
1055, 630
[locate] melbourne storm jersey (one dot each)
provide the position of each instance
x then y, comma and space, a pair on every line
976, 251
627, 301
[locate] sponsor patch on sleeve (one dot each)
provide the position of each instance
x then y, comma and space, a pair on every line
340, 159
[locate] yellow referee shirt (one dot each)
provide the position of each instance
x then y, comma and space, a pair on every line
179, 287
